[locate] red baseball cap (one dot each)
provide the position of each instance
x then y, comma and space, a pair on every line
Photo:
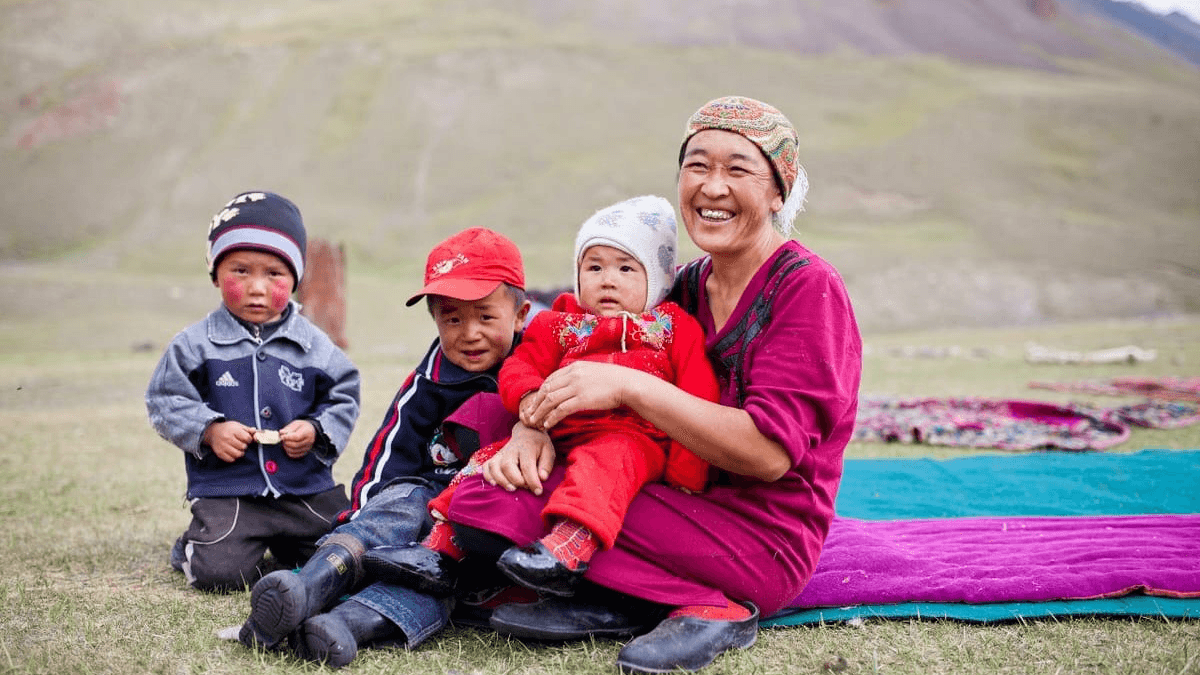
470, 265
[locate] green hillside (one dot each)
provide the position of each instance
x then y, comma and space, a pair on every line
1049, 174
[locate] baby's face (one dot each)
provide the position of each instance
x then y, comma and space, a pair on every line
477, 334
611, 281
255, 286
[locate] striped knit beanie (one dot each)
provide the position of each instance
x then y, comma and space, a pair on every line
643, 227
261, 221
759, 123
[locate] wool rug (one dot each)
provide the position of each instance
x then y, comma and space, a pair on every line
1013, 424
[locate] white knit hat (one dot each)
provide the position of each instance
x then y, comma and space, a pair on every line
644, 227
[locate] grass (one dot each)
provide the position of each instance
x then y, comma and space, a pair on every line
92, 499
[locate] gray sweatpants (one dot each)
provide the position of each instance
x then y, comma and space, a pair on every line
225, 545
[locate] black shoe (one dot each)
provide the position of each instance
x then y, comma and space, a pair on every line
413, 566
560, 619
333, 638
178, 555
535, 567
686, 643
282, 600
475, 608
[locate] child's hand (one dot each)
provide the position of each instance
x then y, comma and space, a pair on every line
529, 403
228, 439
298, 438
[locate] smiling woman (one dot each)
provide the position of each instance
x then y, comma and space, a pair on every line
781, 335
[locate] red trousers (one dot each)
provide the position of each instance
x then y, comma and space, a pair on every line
605, 469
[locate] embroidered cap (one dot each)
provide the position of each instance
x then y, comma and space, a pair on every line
759, 123
470, 265
260, 221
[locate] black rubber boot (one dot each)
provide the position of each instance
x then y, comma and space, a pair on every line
333, 638
282, 600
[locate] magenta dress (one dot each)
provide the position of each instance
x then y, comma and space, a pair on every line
791, 356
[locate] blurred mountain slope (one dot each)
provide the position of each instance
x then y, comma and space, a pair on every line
1174, 32
971, 163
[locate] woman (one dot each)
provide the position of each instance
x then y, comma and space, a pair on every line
783, 339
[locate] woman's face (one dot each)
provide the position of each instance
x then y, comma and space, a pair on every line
727, 192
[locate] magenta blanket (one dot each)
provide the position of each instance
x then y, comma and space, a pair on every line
1003, 559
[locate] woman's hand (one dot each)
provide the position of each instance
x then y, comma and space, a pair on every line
724, 436
583, 385
524, 461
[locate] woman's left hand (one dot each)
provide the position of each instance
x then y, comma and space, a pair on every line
583, 385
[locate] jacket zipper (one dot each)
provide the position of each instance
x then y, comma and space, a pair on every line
262, 466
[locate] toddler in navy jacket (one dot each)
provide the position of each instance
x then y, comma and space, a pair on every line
261, 402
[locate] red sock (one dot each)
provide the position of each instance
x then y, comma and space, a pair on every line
441, 539
732, 611
572, 543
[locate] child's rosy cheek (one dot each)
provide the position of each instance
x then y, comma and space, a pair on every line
232, 290
280, 293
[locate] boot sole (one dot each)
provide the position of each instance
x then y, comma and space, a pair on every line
277, 607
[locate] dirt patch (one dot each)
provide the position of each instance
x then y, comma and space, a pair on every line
92, 108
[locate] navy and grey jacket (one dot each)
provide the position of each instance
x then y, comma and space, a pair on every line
216, 369
407, 444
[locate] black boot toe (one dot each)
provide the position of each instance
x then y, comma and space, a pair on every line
686, 643
334, 638
413, 566
535, 567
559, 619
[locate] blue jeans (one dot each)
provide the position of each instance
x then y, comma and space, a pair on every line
399, 514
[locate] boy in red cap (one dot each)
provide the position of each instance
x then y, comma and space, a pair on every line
475, 291
625, 265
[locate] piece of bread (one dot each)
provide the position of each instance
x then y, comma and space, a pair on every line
266, 437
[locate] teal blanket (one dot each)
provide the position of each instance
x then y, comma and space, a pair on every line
1035, 484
